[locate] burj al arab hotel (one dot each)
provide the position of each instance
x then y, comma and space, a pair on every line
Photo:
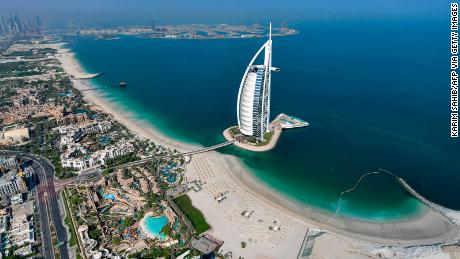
253, 107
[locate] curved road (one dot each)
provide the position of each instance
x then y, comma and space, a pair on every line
47, 204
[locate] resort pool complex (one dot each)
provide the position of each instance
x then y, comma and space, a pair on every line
154, 225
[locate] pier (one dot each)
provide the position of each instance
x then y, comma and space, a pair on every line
87, 76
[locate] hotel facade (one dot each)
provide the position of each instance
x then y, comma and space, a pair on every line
253, 107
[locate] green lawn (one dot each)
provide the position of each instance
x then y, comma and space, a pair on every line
68, 222
235, 131
267, 137
195, 216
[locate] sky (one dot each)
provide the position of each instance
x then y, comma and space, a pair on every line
123, 12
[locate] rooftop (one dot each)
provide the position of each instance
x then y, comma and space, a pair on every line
204, 245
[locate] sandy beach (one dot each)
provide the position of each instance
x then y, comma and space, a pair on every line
273, 225
73, 68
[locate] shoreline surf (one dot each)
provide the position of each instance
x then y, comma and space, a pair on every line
271, 198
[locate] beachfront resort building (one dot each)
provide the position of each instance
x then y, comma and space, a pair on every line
99, 157
253, 107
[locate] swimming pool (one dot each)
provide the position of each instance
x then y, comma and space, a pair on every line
154, 225
109, 196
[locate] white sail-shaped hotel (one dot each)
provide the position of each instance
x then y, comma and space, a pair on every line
253, 108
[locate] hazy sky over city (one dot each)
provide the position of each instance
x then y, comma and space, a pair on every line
112, 12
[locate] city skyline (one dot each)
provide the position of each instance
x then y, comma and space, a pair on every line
106, 13
12, 24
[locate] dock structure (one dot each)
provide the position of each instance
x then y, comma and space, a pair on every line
87, 76
288, 122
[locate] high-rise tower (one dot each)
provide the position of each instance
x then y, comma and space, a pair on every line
253, 107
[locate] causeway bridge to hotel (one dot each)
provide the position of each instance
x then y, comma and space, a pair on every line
189, 153
207, 149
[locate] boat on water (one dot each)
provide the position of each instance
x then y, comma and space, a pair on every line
122, 84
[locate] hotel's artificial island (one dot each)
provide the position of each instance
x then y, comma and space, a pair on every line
255, 132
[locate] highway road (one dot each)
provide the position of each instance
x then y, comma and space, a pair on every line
47, 204
87, 177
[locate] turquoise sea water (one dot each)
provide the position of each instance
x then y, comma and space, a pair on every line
376, 96
154, 225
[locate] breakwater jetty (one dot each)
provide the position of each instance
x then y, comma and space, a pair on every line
451, 215
87, 76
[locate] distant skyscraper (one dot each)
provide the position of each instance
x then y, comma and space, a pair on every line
12, 25
30, 27
38, 22
3, 29
17, 24
253, 107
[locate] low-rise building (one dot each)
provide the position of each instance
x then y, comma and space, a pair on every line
8, 163
104, 126
12, 184
4, 221
78, 163
73, 119
24, 251
16, 199
204, 245
22, 226
120, 149
97, 158
22, 231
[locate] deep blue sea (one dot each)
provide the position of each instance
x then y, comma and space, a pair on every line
376, 95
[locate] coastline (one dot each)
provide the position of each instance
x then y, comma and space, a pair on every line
140, 128
231, 171
403, 231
